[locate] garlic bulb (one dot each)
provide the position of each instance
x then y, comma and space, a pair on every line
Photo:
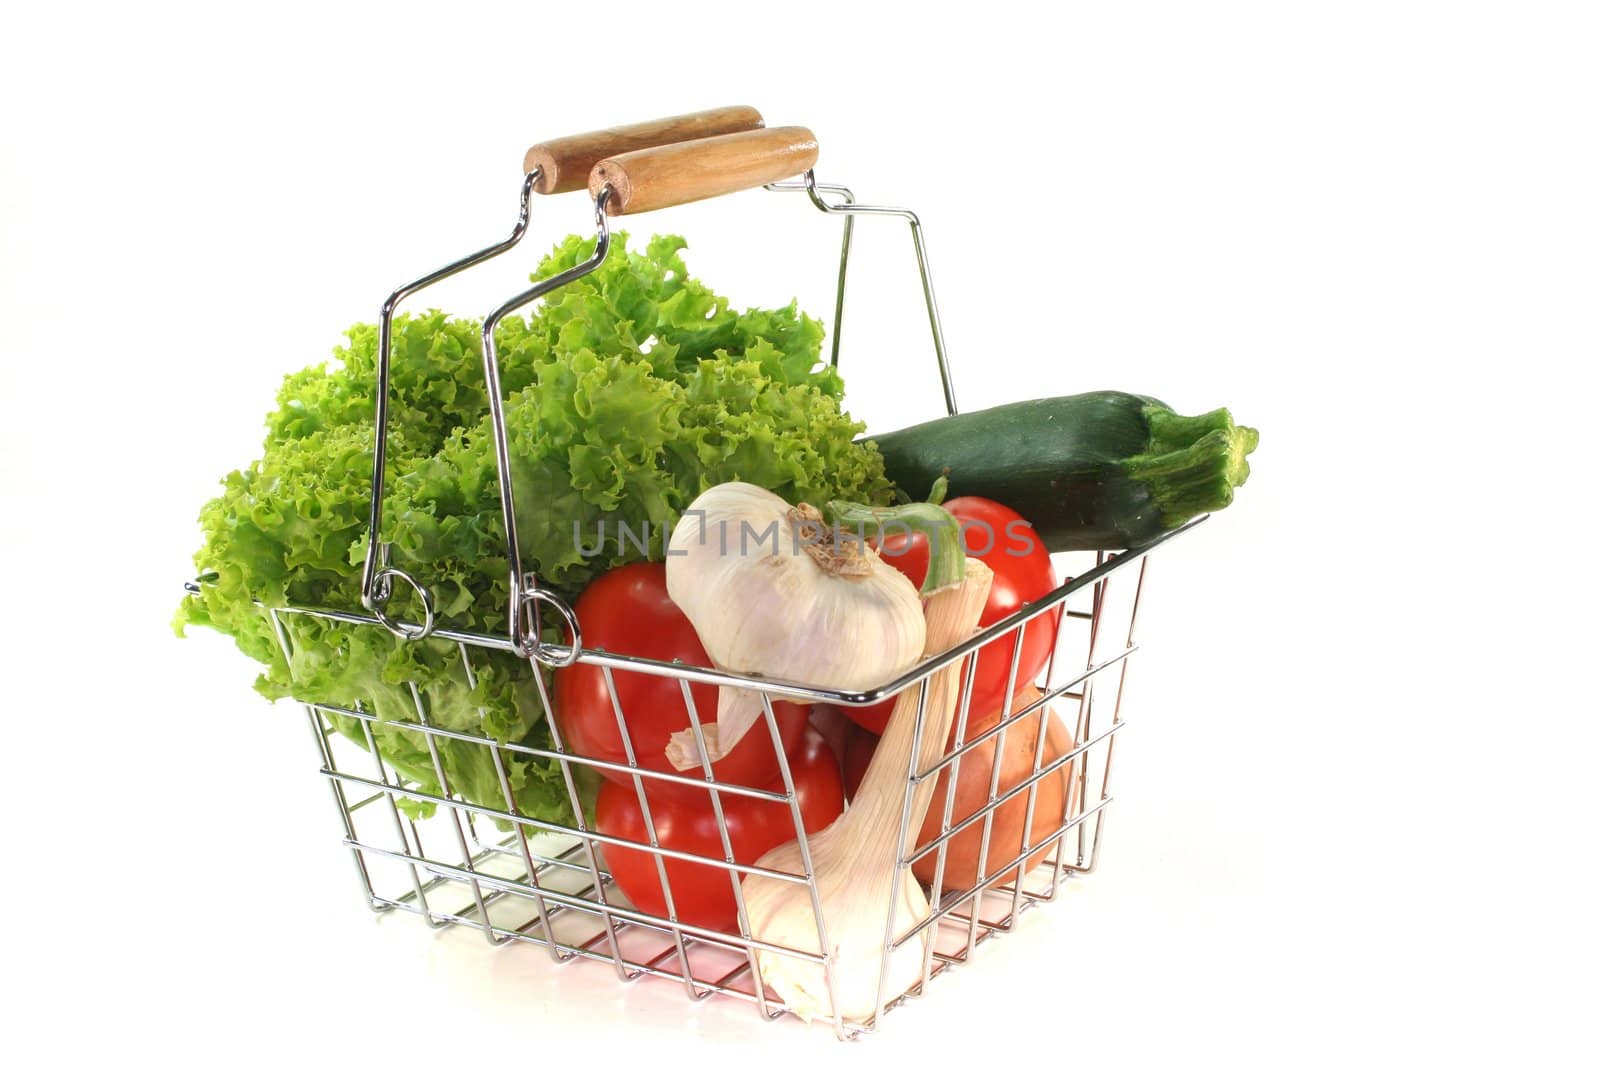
771, 590
855, 858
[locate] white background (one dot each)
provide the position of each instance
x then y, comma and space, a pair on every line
1356, 811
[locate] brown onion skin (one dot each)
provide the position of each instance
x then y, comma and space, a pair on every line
961, 869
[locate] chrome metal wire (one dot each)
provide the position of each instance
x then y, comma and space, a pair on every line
849, 209
525, 595
545, 882
378, 571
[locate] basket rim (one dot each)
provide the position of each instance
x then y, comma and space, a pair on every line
780, 688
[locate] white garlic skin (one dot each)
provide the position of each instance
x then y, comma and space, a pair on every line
854, 894
738, 568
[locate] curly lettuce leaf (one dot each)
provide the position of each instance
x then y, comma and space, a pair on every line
629, 392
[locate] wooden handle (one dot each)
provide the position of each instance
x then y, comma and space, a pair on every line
694, 170
565, 162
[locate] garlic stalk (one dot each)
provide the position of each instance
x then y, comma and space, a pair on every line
855, 861
773, 590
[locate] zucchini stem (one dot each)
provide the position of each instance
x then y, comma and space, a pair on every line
1193, 462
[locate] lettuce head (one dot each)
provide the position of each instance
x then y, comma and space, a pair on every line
629, 392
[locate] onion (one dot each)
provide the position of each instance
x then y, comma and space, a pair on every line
964, 866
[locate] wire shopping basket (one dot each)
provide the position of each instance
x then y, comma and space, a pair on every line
518, 878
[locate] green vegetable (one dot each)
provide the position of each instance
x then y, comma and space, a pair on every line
630, 392
1096, 470
947, 553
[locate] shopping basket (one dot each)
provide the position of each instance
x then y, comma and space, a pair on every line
521, 879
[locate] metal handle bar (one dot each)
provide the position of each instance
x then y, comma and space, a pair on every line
551, 167
758, 151
849, 209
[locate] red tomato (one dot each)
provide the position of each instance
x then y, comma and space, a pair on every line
627, 611
1022, 574
702, 894
859, 746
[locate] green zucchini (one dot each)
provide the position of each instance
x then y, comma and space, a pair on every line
1092, 471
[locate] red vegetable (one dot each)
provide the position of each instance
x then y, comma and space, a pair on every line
855, 756
685, 820
1023, 573
627, 610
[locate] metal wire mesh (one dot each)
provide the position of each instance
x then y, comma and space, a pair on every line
521, 879
524, 880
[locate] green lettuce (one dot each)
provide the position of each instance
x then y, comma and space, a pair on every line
629, 392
